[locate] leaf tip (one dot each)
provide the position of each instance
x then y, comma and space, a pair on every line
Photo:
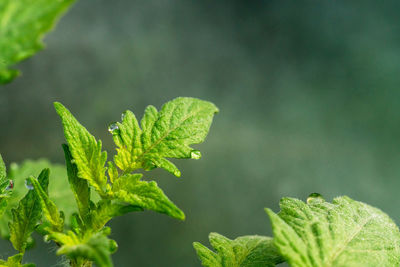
181, 216
270, 213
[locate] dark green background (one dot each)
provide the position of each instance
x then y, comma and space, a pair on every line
308, 92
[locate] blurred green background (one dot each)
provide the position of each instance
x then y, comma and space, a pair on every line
308, 92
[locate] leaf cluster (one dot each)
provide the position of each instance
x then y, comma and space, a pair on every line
102, 189
316, 233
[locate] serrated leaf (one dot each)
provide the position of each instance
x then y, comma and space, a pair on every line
245, 251
147, 195
23, 24
94, 247
49, 209
59, 189
166, 134
342, 233
79, 186
26, 216
85, 150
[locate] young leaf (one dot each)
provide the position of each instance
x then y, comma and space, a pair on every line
245, 251
15, 261
23, 24
166, 134
26, 216
147, 195
49, 209
85, 150
342, 233
79, 186
94, 247
59, 189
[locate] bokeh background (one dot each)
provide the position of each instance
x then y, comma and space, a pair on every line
308, 92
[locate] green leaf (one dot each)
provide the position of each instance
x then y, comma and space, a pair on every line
49, 209
342, 233
94, 247
245, 251
15, 261
26, 216
79, 186
112, 172
85, 150
4, 186
147, 195
59, 189
23, 24
107, 209
3, 173
166, 134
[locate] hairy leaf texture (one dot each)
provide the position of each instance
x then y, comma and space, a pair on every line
245, 251
342, 233
166, 134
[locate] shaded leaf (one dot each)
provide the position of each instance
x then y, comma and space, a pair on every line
59, 189
49, 209
147, 195
4, 189
26, 216
23, 24
79, 186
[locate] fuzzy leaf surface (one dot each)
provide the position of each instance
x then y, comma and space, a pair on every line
26, 216
147, 195
342, 233
23, 24
85, 150
245, 251
166, 134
